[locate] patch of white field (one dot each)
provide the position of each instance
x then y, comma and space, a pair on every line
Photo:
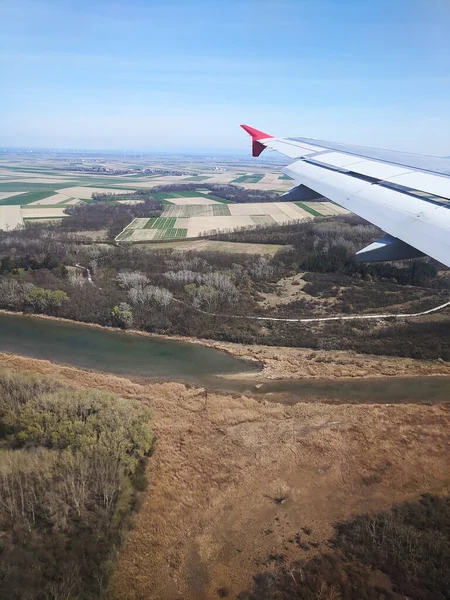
10, 218
270, 178
15, 180
191, 201
142, 235
292, 210
55, 199
281, 218
224, 177
138, 223
37, 213
130, 202
74, 201
159, 181
327, 209
263, 220
198, 225
279, 185
86, 192
4, 195
184, 223
256, 208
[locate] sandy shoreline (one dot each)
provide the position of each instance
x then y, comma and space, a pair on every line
280, 362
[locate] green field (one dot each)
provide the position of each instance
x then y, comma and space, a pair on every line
170, 234
161, 223
35, 171
24, 186
311, 211
26, 198
248, 178
165, 195
174, 233
198, 178
285, 178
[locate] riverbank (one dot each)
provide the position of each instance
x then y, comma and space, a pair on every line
279, 362
222, 461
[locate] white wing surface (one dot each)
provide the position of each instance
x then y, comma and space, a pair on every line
406, 195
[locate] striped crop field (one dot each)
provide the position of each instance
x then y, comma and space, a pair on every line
248, 178
311, 211
161, 223
170, 234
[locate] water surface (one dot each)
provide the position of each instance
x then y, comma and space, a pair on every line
137, 356
113, 351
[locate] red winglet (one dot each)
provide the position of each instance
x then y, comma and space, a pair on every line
256, 135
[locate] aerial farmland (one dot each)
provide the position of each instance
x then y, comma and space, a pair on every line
41, 187
200, 214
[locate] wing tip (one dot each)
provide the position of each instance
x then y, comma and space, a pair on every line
256, 135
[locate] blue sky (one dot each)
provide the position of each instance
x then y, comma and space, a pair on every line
183, 74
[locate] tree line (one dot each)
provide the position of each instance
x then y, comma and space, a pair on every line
408, 544
72, 462
227, 191
162, 291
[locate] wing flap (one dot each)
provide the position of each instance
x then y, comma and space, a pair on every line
421, 224
368, 168
424, 182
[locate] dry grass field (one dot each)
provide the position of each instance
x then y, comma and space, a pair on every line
216, 246
38, 212
212, 517
55, 199
10, 217
327, 209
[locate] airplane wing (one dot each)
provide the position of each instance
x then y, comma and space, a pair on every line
406, 195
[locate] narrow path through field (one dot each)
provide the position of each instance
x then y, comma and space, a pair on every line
306, 319
320, 319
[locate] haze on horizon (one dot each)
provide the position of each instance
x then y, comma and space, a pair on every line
176, 76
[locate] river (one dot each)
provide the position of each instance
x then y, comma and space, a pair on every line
113, 351
137, 357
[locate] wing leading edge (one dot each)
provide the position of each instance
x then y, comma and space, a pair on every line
406, 195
